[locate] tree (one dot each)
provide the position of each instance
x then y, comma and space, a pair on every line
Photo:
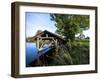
69, 25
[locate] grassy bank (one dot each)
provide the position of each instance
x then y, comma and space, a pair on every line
77, 53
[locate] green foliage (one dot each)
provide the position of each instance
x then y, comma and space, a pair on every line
69, 25
80, 54
74, 51
84, 42
73, 55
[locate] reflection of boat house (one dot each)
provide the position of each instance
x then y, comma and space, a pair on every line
48, 39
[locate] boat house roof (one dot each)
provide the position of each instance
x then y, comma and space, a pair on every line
45, 34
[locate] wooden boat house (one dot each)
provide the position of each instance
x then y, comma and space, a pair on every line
46, 38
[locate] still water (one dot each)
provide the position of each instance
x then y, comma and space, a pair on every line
31, 52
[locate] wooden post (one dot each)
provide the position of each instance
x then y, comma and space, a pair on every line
46, 35
56, 46
37, 44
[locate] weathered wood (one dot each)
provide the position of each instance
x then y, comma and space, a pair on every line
46, 38
52, 40
56, 43
37, 44
46, 35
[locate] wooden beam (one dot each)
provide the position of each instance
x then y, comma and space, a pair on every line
41, 46
56, 43
37, 43
46, 35
47, 38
